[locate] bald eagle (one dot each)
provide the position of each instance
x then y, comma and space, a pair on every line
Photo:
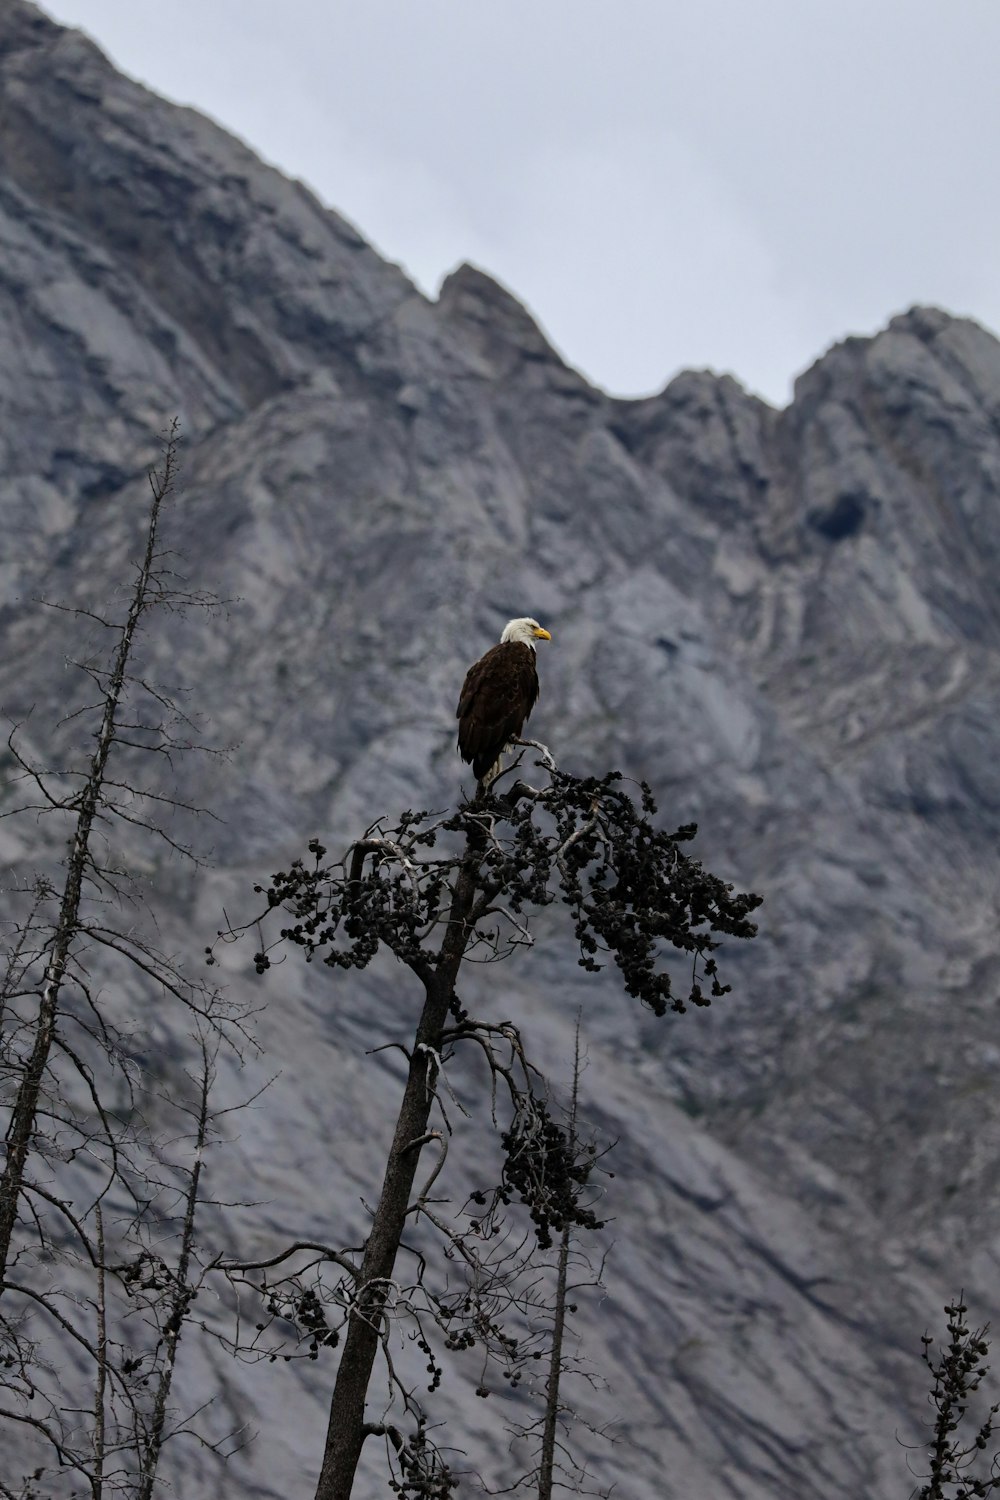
498, 694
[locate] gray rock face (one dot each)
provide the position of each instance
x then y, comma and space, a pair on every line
787, 622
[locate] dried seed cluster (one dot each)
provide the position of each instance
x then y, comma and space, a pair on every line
631, 889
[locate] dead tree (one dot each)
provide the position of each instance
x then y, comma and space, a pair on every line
97, 796
437, 891
91, 1313
554, 1454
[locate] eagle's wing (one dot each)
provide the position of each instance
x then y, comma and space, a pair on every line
497, 696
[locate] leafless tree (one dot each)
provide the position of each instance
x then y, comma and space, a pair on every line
90, 1298
575, 1275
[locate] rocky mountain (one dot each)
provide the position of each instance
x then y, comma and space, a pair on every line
786, 621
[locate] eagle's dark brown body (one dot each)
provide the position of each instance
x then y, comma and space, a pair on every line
498, 694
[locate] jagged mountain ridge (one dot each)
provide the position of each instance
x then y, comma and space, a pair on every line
783, 620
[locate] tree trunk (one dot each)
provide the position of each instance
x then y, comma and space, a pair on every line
546, 1468
24, 1113
347, 1428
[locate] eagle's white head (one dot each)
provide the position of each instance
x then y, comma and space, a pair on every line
524, 630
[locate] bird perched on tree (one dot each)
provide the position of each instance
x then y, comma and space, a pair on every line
498, 694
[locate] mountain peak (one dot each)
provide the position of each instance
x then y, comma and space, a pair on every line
500, 328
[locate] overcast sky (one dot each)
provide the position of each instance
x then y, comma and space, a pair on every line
715, 183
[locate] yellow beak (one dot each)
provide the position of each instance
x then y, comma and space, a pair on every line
542, 634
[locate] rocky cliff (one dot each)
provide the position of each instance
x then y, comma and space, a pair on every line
787, 622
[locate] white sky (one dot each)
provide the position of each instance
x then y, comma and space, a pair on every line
723, 183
